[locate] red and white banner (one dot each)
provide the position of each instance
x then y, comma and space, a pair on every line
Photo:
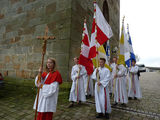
101, 31
85, 48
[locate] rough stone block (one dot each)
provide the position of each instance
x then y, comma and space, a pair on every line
12, 73
15, 39
7, 59
33, 74
16, 66
59, 44
51, 8
28, 1
31, 14
14, 1
63, 4
2, 29
19, 10
8, 28
12, 34
1, 66
1, 16
62, 59
34, 22
30, 65
64, 73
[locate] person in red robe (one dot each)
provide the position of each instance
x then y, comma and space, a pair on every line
48, 94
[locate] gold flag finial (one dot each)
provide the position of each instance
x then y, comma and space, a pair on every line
85, 20
127, 26
123, 19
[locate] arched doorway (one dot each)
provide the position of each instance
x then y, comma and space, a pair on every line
106, 10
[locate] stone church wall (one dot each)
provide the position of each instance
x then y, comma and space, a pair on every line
21, 21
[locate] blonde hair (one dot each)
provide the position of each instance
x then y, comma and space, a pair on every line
54, 67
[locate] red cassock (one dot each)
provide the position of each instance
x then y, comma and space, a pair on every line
52, 77
1, 78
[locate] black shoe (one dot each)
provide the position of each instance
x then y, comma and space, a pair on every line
135, 98
115, 104
124, 105
88, 96
79, 102
71, 105
107, 116
99, 115
129, 98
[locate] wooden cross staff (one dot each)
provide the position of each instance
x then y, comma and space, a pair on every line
44, 38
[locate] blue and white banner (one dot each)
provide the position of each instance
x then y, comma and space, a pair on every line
129, 55
108, 50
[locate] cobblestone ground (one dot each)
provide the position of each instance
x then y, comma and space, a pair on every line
19, 106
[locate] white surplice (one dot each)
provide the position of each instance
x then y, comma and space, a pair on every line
113, 73
90, 89
48, 96
120, 95
134, 86
80, 96
102, 98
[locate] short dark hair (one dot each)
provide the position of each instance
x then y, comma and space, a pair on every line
114, 57
103, 59
76, 58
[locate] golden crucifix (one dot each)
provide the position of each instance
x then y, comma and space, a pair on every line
44, 38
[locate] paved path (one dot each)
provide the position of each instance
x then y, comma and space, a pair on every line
17, 106
147, 108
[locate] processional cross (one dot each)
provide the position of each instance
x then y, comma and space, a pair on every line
44, 38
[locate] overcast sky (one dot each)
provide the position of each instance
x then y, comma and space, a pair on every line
143, 17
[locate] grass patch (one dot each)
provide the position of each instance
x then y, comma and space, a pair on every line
21, 90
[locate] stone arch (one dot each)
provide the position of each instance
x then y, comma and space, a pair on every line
106, 10
106, 14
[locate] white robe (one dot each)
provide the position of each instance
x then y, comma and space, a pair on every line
48, 96
103, 95
120, 95
134, 86
81, 90
90, 90
125, 76
113, 73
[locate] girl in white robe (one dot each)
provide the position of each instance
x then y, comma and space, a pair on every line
134, 89
120, 95
48, 94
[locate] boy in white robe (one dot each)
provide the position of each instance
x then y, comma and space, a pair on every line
77, 93
102, 98
120, 95
134, 89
